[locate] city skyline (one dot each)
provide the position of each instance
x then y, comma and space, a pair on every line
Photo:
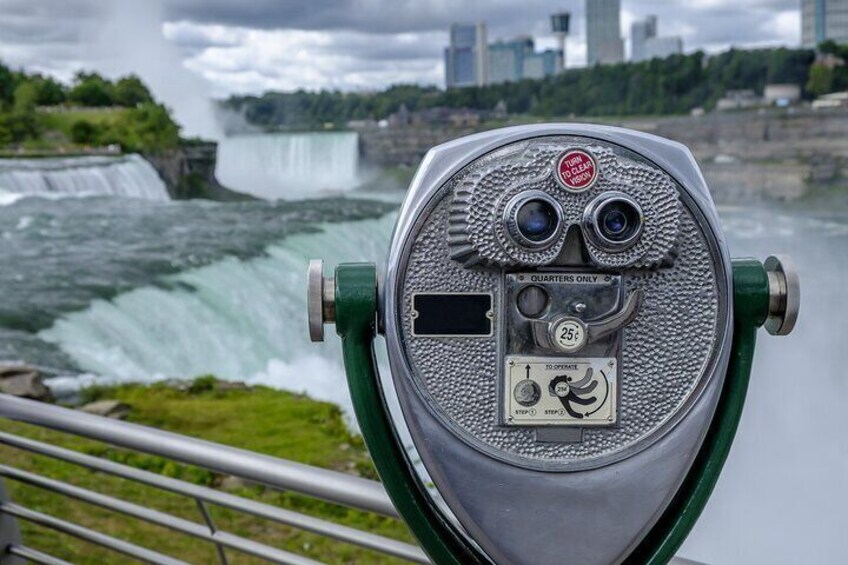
253, 46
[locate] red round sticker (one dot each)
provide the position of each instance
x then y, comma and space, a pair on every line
577, 170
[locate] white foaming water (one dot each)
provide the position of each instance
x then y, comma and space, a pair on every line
290, 165
128, 176
238, 320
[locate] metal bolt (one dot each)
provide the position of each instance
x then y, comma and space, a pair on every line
784, 294
320, 299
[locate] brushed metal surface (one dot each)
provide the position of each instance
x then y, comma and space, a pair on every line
521, 514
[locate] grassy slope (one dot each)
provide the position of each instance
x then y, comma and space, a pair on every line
63, 121
55, 131
263, 420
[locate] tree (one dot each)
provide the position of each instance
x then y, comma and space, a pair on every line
83, 132
90, 89
820, 81
50, 91
22, 119
25, 98
148, 127
7, 84
129, 91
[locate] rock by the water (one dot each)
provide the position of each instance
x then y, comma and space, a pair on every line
23, 381
108, 408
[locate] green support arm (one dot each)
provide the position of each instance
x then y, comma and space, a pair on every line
356, 318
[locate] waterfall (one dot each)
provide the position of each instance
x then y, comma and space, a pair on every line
290, 165
127, 176
238, 320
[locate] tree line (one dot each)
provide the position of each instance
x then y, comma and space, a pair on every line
673, 85
139, 123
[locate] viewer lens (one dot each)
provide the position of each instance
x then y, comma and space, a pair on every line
537, 220
614, 221
533, 219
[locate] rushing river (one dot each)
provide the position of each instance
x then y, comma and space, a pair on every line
125, 285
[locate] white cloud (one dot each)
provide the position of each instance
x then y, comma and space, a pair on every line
240, 60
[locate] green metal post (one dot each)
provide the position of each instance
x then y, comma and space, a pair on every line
356, 313
356, 318
750, 309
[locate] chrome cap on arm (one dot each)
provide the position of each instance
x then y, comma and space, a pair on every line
784, 294
320, 299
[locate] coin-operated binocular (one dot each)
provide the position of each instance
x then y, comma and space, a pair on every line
569, 341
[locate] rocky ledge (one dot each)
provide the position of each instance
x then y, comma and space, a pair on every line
189, 172
25, 382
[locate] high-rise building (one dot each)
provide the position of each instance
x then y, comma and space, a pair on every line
822, 20
467, 58
603, 32
560, 26
640, 33
645, 45
506, 59
662, 47
541, 64
517, 59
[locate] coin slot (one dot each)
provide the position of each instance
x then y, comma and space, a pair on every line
532, 301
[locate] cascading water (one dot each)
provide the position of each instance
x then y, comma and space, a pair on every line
290, 165
128, 176
238, 320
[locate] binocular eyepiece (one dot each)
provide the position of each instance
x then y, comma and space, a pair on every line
559, 307
534, 220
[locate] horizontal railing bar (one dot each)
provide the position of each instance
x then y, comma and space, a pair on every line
97, 538
278, 473
35, 556
259, 509
156, 517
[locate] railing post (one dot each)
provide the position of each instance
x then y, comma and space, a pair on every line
10, 534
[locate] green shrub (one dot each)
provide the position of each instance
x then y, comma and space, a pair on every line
83, 132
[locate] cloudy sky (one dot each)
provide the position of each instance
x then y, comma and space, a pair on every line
221, 47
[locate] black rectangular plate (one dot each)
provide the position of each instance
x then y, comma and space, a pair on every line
446, 314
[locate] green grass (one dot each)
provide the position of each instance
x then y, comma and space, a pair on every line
63, 121
276, 423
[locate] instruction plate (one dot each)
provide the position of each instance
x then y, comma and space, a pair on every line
557, 391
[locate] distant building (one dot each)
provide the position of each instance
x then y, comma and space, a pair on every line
603, 32
645, 45
467, 58
470, 61
739, 100
662, 47
781, 94
560, 26
640, 33
822, 20
834, 100
512, 61
542, 64
506, 59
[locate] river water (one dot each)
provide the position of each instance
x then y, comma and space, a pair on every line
105, 280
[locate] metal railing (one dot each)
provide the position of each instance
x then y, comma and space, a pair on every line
331, 486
